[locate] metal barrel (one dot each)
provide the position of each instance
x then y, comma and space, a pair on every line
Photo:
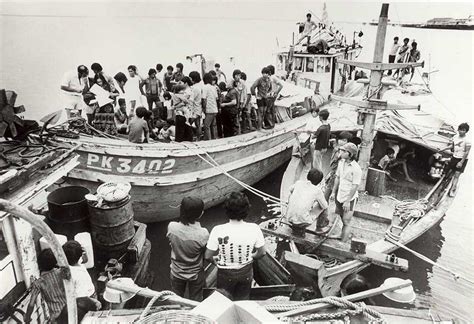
68, 213
112, 228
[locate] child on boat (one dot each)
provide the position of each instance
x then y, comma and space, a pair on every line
121, 117
138, 131
168, 131
385, 161
342, 139
50, 285
307, 203
321, 139
188, 242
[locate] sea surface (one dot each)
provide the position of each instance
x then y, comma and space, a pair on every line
39, 42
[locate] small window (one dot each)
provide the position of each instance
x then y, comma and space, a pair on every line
298, 64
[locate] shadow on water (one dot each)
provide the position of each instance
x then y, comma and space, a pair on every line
156, 233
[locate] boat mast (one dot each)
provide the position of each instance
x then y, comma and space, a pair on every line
368, 108
374, 91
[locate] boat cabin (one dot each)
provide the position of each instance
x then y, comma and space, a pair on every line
319, 72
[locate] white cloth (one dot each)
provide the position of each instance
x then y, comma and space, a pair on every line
196, 107
82, 281
71, 79
460, 146
306, 202
394, 49
209, 92
132, 89
349, 174
235, 242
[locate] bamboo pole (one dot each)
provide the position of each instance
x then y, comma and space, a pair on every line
375, 81
56, 247
354, 297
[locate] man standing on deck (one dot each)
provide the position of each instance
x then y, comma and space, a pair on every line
402, 52
132, 89
277, 85
263, 85
153, 89
348, 178
309, 25
73, 85
393, 53
220, 74
196, 102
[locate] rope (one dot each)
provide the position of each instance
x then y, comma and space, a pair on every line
352, 309
210, 160
426, 259
158, 296
408, 210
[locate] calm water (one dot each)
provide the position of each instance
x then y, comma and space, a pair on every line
36, 50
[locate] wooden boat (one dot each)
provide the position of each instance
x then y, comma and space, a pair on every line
377, 226
162, 173
29, 169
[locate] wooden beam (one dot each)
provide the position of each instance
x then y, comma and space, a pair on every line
375, 104
381, 66
354, 297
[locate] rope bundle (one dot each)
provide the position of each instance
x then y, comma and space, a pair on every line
407, 210
353, 309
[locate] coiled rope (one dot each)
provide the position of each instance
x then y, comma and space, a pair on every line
353, 310
409, 209
158, 296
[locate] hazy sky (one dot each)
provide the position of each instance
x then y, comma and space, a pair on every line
261, 10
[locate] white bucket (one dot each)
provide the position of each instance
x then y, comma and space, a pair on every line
45, 245
84, 239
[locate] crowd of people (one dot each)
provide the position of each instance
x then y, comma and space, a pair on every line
179, 107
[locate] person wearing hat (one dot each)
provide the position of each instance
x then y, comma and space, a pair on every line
188, 243
153, 88
73, 85
343, 138
348, 178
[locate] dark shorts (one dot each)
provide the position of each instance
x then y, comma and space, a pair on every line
236, 282
262, 102
340, 210
452, 165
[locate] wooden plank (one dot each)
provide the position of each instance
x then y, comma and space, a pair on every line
375, 182
135, 246
380, 66
268, 271
305, 270
284, 231
374, 104
375, 208
265, 292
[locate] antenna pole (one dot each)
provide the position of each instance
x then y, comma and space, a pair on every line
374, 91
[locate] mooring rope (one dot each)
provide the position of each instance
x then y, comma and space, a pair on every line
353, 309
426, 259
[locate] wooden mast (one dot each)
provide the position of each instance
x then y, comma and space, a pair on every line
368, 108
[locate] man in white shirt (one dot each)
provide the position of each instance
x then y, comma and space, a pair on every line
233, 247
132, 89
309, 26
348, 178
196, 102
393, 53
73, 85
209, 107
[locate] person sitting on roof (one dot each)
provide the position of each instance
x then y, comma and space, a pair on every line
307, 203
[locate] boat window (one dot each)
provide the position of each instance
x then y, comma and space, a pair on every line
310, 64
298, 64
327, 64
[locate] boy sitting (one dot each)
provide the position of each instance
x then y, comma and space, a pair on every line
138, 131
307, 203
168, 131
385, 162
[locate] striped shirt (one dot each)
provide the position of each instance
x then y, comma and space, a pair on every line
51, 287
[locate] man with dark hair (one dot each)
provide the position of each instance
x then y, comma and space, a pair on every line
460, 146
138, 130
160, 73
246, 105
230, 111
80, 277
178, 75
188, 241
393, 52
49, 284
343, 138
210, 99
348, 178
402, 54
233, 247
167, 78
132, 89
73, 85
321, 143
97, 69
277, 86
153, 89
261, 88
196, 102
306, 203
220, 75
